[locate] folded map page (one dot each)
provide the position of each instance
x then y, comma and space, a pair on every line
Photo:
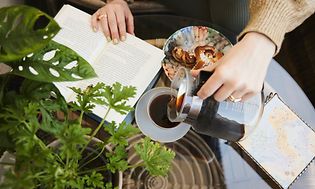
282, 144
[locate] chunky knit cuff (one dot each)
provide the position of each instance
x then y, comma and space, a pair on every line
270, 18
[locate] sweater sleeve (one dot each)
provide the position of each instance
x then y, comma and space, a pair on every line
274, 18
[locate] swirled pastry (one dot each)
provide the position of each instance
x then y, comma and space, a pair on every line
188, 59
202, 56
206, 55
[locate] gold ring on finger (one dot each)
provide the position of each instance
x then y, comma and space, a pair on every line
101, 16
233, 99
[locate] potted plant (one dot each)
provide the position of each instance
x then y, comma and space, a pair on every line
76, 159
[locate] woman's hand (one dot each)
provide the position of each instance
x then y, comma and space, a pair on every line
114, 19
241, 72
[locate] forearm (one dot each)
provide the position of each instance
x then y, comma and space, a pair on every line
274, 18
259, 44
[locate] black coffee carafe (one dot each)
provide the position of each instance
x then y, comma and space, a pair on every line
227, 120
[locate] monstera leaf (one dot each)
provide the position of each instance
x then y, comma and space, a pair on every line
21, 31
55, 62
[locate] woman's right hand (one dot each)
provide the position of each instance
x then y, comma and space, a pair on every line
114, 19
240, 73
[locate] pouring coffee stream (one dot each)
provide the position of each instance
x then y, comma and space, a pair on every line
227, 120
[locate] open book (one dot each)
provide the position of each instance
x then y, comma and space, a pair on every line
132, 62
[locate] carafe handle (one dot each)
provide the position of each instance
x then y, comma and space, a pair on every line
201, 79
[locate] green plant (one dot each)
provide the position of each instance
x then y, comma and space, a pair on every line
26, 46
38, 165
30, 106
25, 38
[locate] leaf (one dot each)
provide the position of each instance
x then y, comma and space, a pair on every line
54, 63
13, 180
117, 97
20, 112
87, 98
157, 159
47, 98
109, 185
120, 134
20, 34
95, 180
117, 159
26, 145
72, 138
48, 93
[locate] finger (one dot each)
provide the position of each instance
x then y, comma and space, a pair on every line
208, 68
211, 85
239, 93
195, 73
121, 24
112, 23
94, 23
130, 23
104, 24
223, 93
248, 96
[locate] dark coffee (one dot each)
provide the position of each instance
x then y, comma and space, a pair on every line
179, 102
158, 111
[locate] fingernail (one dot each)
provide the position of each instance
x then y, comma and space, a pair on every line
108, 39
123, 38
115, 41
94, 29
200, 95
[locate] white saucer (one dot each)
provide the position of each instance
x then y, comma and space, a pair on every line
148, 127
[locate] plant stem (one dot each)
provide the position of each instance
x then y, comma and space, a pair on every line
81, 117
100, 125
89, 161
7, 163
41, 144
85, 158
59, 158
101, 168
38, 176
96, 130
136, 165
67, 161
27, 127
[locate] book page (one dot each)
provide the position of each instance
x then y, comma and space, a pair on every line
131, 62
76, 33
282, 144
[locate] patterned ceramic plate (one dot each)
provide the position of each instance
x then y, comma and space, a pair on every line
193, 47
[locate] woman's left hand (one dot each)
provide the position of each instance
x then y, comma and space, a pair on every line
114, 19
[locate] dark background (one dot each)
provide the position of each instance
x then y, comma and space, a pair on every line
155, 20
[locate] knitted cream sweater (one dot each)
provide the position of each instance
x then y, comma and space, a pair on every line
274, 18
